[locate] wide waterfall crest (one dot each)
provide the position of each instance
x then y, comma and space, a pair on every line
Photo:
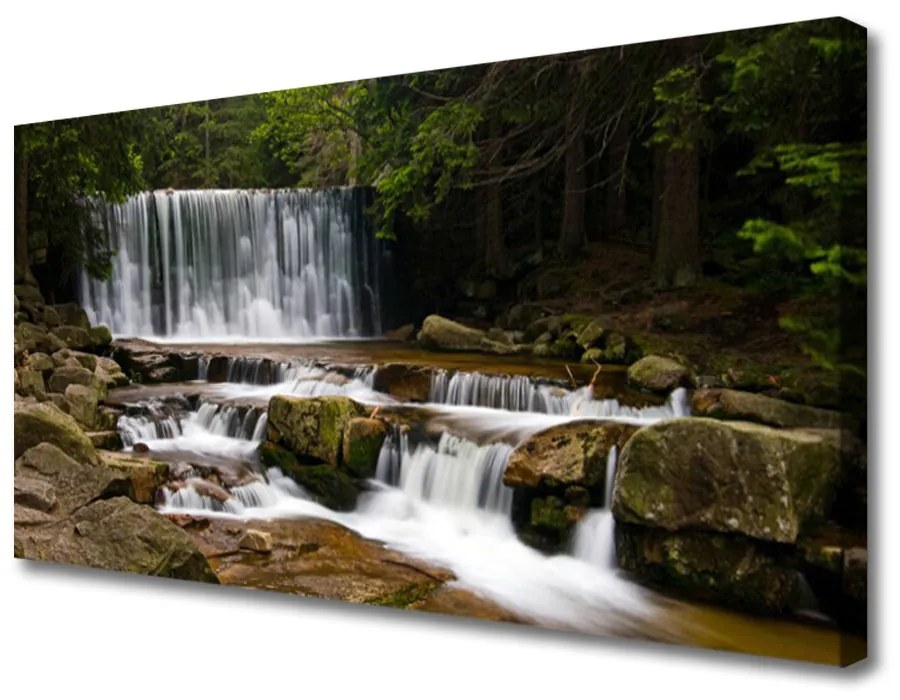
239, 263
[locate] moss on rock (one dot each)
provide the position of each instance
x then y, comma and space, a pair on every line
703, 474
312, 428
363, 438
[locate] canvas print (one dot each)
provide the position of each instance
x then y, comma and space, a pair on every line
573, 341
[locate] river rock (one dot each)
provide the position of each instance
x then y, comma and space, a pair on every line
731, 570
256, 541
50, 317
58, 400
363, 438
62, 377
82, 401
151, 366
146, 475
30, 382
402, 334
657, 374
405, 382
37, 494
105, 439
39, 362
34, 423
71, 314
317, 558
101, 337
85, 359
703, 474
108, 377
573, 454
324, 482
312, 428
73, 483
32, 338
439, 333
590, 335
730, 404
74, 337
119, 535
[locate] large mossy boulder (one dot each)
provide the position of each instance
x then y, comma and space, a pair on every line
33, 338
730, 404
39, 362
74, 483
703, 474
101, 337
439, 333
573, 454
34, 423
312, 428
120, 535
74, 337
657, 374
109, 373
62, 377
324, 482
731, 570
147, 476
363, 438
71, 314
30, 382
82, 402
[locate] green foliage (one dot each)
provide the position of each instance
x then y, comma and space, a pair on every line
682, 108
69, 161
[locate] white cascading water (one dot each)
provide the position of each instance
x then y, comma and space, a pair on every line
593, 540
442, 501
260, 264
524, 394
456, 472
445, 502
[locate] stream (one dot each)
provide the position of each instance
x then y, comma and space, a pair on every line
438, 494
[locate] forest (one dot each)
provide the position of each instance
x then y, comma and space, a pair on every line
738, 157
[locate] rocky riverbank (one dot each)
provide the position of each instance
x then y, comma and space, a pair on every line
754, 502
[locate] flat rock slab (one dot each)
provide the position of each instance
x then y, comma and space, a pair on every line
314, 558
115, 534
730, 404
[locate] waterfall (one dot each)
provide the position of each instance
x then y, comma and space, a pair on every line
594, 538
456, 472
237, 422
524, 394
239, 263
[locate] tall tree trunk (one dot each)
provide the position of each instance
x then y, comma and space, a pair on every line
676, 259
496, 260
616, 168
572, 234
23, 269
676, 255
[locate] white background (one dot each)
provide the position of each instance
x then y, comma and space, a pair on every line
72, 632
